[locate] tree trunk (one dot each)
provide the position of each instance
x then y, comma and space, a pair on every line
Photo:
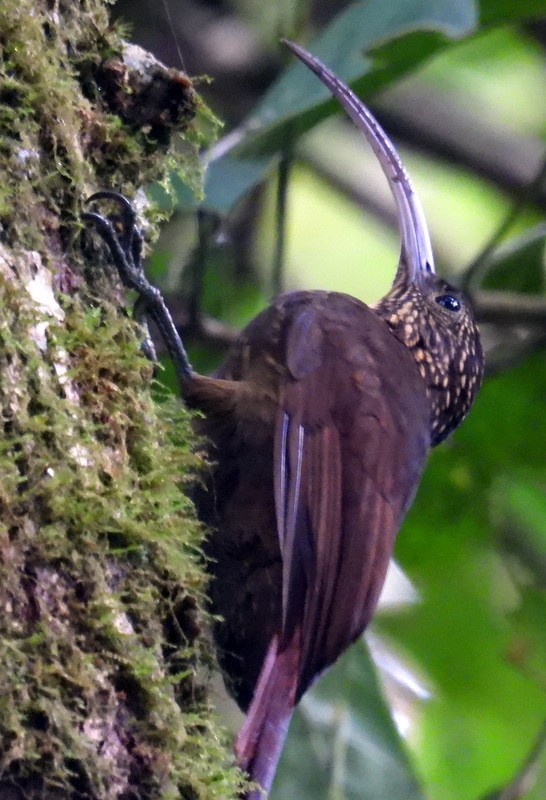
101, 578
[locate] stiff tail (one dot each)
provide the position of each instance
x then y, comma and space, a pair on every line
261, 739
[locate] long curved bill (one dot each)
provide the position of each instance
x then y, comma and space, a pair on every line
416, 252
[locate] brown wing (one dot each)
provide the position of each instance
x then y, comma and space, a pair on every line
350, 443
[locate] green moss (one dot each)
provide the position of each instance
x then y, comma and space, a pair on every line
100, 559
74, 117
101, 574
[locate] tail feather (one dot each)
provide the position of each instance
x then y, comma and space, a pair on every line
261, 739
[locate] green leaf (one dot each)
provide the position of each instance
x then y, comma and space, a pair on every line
228, 179
297, 100
343, 744
529, 781
520, 505
520, 508
363, 27
518, 265
498, 12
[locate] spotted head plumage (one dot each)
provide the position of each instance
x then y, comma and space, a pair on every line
436, 323
431, 318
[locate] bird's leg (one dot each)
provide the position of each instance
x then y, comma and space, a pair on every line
125, 248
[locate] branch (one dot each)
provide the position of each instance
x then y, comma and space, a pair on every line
503, 309
203, 328
509, 308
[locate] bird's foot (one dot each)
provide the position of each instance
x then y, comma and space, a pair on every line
124, 241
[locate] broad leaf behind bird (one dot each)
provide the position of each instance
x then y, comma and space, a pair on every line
319, 423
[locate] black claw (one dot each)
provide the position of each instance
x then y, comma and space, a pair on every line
125, 248
129, 235
110, 194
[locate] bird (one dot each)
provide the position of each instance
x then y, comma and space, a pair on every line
318, 425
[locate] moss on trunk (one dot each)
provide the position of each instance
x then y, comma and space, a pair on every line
101, 575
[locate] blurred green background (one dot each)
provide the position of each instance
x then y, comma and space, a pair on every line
451, 705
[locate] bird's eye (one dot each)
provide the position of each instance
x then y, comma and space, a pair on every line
449, 301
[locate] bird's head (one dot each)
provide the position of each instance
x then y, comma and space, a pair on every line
431, 318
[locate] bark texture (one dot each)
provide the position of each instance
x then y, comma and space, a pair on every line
101, 578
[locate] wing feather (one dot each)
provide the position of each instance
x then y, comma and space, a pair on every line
343, 447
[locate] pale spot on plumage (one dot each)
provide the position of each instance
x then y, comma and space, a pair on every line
271, 361
445, 348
